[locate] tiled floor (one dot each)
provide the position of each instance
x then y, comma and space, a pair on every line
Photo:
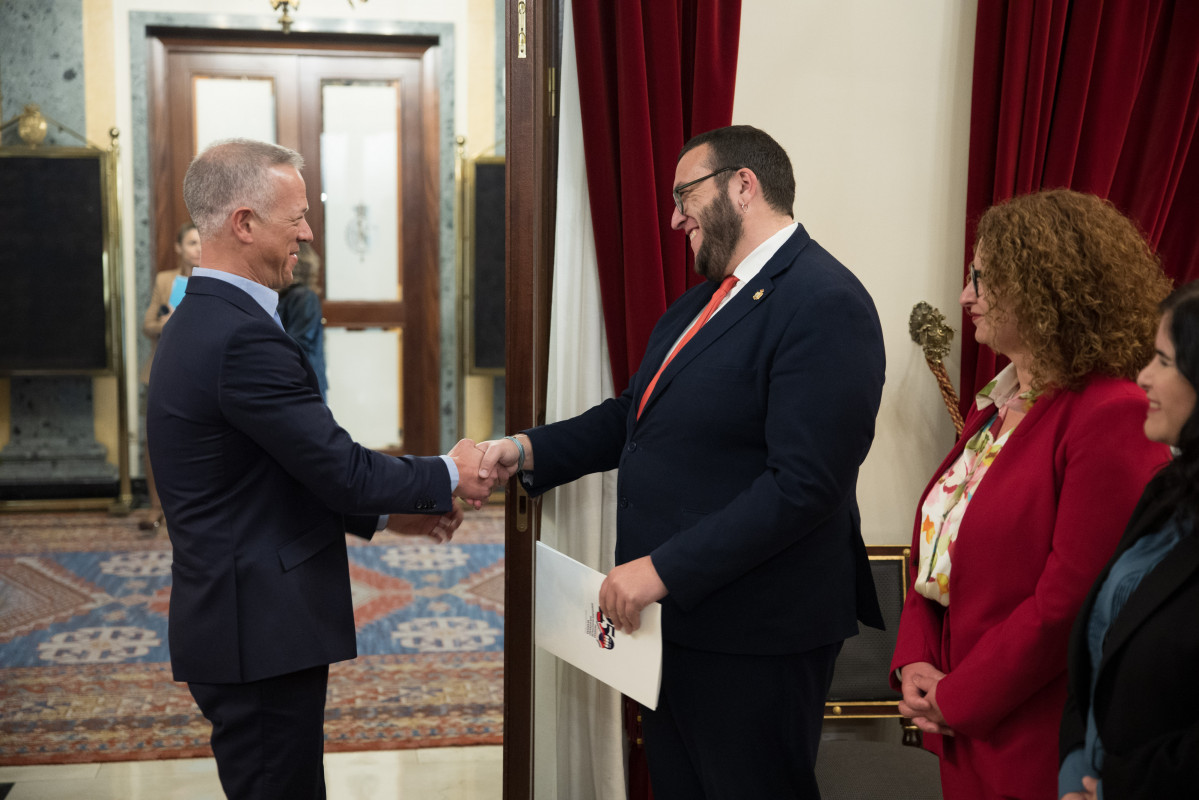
446, 773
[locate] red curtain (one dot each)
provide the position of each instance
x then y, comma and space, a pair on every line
652, 73
1102, 97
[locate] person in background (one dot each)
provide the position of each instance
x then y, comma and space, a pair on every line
1029, 504
1130, 730
187, 256
300, 310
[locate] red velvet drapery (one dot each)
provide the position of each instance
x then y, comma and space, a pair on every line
1101, 97
652, 73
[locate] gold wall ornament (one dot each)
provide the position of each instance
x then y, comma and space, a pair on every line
928, 329
31, 125
285, 19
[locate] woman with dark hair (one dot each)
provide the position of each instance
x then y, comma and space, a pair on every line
1131, 725
1022, 514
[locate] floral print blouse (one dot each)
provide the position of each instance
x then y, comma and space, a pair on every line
946, 503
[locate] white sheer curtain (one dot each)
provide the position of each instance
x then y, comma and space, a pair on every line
578, 519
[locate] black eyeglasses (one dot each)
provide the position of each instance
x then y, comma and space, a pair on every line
976, 275
678, 190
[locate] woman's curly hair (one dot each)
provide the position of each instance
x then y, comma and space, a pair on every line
1080, 281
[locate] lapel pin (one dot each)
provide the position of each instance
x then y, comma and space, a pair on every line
758, 294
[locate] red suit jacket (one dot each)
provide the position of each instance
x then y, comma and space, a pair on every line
1039, 529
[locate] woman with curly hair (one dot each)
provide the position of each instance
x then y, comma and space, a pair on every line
1137, 627
1028, 506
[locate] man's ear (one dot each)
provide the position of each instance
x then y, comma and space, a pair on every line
242, 222
747, 185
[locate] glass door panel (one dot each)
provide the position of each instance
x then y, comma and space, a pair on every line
363, 368
359, 173
254, 99
360, 182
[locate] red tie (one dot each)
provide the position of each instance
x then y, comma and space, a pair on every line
722, 292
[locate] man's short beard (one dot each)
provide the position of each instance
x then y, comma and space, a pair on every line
722, 230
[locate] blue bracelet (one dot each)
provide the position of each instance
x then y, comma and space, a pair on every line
520, 452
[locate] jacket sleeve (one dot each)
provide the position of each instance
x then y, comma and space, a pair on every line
920, 622
1073, 731
919, 634
1105, 463
263, 394
591, 442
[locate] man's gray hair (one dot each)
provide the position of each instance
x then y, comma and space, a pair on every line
230, 174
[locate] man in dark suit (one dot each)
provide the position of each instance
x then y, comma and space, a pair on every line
736, 493
259, 484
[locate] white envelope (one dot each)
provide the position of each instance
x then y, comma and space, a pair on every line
568, 624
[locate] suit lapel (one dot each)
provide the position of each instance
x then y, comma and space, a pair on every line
732, 313
750, 297
1174, 570
1150, 513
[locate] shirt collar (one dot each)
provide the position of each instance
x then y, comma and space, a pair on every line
752, 264
266, 297
1002, 389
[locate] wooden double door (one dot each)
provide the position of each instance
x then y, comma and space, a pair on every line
365, 116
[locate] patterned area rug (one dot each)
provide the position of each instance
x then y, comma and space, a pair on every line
84, 672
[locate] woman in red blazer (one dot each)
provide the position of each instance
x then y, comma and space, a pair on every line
1025, 510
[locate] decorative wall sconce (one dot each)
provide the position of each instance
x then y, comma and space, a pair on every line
285, 19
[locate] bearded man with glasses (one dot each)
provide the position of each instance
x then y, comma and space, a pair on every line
738, 441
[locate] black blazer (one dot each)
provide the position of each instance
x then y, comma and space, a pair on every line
259, 485
739, 478
1147, 696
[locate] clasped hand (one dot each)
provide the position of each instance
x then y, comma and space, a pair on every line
472, 488
473, 485
918, 684
439, 527
500, 459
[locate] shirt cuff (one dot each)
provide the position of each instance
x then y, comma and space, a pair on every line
382, 523
1069, 775
453, 468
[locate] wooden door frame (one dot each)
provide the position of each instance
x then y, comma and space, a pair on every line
531, 148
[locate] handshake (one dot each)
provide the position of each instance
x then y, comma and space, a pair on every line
483, 466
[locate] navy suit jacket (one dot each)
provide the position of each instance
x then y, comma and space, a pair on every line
259, 485
739, 478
